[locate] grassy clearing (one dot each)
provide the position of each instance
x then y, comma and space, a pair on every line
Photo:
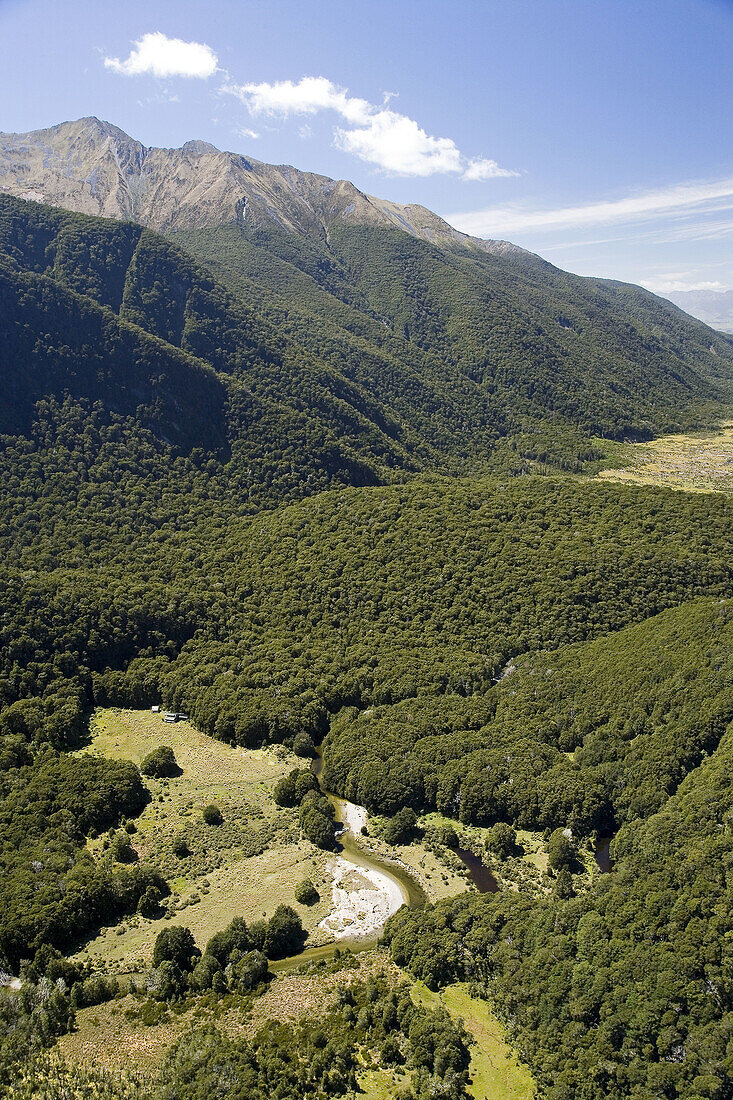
116, 1037
700, 462
246, 866
496, 1072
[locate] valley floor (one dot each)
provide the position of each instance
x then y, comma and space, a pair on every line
108, 1034
699, 462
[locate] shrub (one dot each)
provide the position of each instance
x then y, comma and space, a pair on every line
180, 847
306, 893
212, 815
160, 763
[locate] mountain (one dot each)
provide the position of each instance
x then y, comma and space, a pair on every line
715, 307
457, 344
261, 471
95, 168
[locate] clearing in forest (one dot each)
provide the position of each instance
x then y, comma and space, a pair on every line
700, 462
496, 1072
246, 866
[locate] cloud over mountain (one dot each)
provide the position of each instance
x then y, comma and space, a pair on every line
157, 55
376, 134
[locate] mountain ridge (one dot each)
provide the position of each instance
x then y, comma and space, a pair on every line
60, 165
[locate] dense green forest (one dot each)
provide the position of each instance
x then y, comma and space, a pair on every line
229, 484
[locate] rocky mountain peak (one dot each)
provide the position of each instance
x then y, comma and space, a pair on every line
93, 167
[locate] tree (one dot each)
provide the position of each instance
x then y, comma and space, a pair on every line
562, 852
319, 828
160, 763
400, 829
122, 850
502, 840
247, 970
176, 945
235, 937
303, 744
149, 902
180, 846
284, 933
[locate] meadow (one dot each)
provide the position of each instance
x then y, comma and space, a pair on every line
246, 866
697, 462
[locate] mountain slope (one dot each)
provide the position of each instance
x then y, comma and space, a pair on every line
111, 314
95, 168
459, 343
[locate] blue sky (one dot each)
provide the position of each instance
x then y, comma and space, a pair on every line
598, 133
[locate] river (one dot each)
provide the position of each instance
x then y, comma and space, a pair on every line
392, 886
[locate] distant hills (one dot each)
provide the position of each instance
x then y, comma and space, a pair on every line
715, 307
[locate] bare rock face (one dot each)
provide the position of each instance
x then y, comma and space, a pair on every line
95, 168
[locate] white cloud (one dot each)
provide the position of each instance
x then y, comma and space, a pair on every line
678, 199
157, 55
397, 144
480, 168
376, 134
245, 133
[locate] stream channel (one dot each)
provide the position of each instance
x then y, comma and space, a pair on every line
362, 860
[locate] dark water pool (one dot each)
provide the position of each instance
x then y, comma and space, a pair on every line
602, 854
478, 873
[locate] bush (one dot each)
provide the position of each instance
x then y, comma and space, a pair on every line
180, 847
306, 893
502, 840
401, 828
160, 763
212, 815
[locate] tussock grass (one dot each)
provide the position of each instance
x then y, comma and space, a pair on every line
700, 462
246, 866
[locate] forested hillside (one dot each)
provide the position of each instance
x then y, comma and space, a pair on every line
534, 342
230, 484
